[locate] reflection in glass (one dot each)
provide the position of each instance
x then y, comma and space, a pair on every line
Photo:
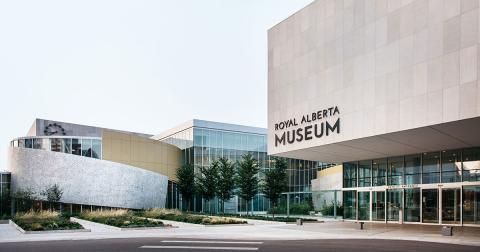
56, 144
471, 164
96, 148
378, 206
413, 169
21, 143
364, 205
28, 143
430, 205
86, 147
364, 173
349, 204
394, 204
395, 166
451, 166
379, 171
471, 205
67, 145
431, 168
451, 206
76, 147
349, 175
37, 143
412, 205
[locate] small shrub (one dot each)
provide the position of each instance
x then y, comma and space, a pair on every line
44, 220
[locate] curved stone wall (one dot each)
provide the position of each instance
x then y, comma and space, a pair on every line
86, 180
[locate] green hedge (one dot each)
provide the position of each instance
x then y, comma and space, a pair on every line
123, 221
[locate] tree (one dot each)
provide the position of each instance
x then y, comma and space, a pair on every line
275, 182
246, 179
186, 182
25, 198
207, 181
53, 194
226, 180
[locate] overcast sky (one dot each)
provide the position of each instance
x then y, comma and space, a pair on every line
141, 66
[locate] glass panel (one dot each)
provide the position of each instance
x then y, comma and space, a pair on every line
76, 147
67, 145
364, 205
378, 206
471, 205
379, 169
349, 203
394, 204
21, 143
413, 169
430, 205
37, 143
28, 143
395, 166
364, 173
56, 144
412, 205
86, 147
349, 175
451, 166
451, 206
471, 164
431, 168
96, 148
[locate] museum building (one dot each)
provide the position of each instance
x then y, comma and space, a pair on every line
404, 77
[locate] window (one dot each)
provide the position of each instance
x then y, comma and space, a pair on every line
471, 205
430, 205
451, 166
378, 206
364, 173
37, 143
412, 205
349, 175
96, 148
364, 205
413, 169
28, 143
349, 203
56, 144
471, 164
379, 170
86, 147
431, 168
67, 145
396, 170
76, 147
21, 143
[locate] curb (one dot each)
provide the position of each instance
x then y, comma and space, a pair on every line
117, 228
21, 230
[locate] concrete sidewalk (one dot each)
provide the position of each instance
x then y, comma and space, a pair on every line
328, 230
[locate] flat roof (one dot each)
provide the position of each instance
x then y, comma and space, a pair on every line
211, 125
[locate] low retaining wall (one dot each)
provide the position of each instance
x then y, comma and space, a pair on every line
17, 227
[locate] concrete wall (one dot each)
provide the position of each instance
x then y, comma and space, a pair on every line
141, 152
87, 180
389, 66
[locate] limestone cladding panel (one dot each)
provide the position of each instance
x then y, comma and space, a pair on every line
388, 65
87, 180
141, 152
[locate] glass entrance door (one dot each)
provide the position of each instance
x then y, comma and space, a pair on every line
451, 206
378, 206
430, 205
412, 205
394, 204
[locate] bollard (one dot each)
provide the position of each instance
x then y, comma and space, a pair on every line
447, 231
360, 225
299, 222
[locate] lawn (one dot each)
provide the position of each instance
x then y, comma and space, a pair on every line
119, 218
175, 215
44, 220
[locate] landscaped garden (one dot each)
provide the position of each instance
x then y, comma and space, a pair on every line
120, 219
44, 220
176, 215
269, 218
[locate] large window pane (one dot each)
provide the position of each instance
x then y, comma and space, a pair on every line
395, 166
451, 206
67, 145
28, 143
413, 169
86, 147
394, 204
378, 206
21, 143
349, 175
430, 205
96, 148
471, 205
431, 168
379, 170
364, 173
364, 205
412, 205
56, 144
349, 204
451, 166
37, 143
76, 147
471, 164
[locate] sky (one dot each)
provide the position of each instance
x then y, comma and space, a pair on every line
142, 66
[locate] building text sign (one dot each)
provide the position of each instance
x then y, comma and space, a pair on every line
320, 123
